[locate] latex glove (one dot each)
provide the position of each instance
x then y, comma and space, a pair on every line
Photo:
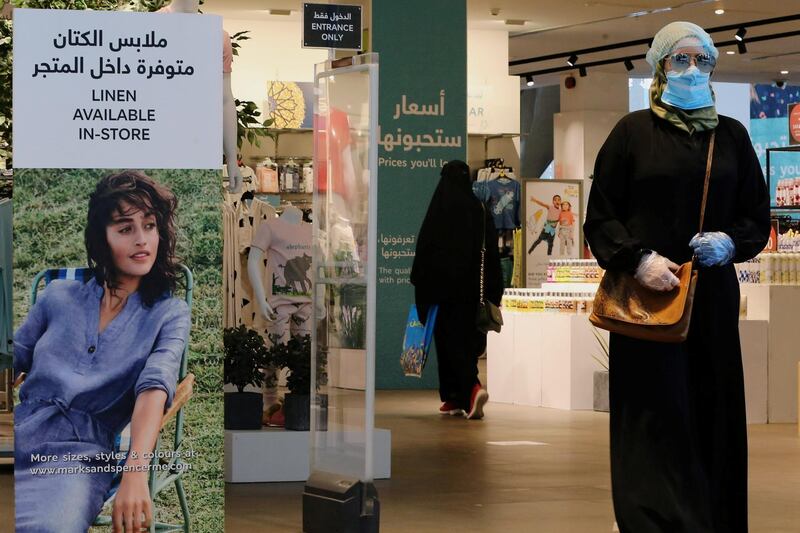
713, 248
657, 273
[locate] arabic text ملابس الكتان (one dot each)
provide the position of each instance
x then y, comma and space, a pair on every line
95, 38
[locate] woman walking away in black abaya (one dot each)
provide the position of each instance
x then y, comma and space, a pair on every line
446, 271
678, 428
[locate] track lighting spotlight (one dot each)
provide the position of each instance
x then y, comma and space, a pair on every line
582, 71
529, 81
742, 47
628, 65
740, 34
572, 60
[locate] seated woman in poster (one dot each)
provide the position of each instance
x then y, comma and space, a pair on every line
99, 355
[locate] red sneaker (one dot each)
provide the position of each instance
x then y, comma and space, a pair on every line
476, 403
450, 408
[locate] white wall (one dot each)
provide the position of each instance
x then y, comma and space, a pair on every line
273, 53
492, 95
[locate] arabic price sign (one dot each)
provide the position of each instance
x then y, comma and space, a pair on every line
117, 90
332, 26
423, 125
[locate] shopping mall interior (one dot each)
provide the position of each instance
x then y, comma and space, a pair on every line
538, 86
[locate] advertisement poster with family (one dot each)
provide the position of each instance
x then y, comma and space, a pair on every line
553, 218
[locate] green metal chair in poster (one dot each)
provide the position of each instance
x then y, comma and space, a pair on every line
168, 468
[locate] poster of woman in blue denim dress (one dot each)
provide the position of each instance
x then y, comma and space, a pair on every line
96, 356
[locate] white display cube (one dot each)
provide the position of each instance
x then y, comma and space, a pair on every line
778, 305
543, 359
546, 360
278, 455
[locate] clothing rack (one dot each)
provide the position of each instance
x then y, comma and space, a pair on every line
502, 199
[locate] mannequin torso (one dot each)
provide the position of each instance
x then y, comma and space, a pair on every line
229, 120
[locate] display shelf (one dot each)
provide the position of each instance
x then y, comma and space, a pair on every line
543, 360
546, 360
278, 455
777, 304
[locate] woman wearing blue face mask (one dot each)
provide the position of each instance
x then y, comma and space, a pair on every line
678, 427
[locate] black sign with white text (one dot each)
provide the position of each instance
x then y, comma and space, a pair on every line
332, 26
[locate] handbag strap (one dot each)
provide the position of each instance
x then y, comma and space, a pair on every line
483, 246
707, 179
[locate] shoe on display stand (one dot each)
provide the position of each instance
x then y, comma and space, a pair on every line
450, 408
478, 400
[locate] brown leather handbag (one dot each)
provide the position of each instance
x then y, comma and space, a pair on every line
622, 305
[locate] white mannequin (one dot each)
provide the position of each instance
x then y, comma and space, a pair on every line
290, 214
228, 110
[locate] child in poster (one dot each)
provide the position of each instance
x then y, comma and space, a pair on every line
566, 229
98, 355
548, 233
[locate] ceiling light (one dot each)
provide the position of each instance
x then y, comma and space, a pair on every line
571, 60
582, 71
784, 72
719, 11
628, 65
731, 53
740, 34
529, 81
742, 47
516, 22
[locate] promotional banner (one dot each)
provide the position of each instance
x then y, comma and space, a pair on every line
116, 90
117, 260
770, 127
423, 125
553, 219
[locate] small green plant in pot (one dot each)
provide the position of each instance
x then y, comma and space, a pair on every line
295, 356
245, 356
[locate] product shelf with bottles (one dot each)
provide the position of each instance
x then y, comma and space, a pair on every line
771, 268
546, 353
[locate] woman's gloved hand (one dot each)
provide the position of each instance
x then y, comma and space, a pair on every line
713, 248
657, 272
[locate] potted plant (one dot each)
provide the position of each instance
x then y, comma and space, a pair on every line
245, 356
600, 402
295, 356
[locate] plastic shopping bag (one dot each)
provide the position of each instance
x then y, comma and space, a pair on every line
417, 341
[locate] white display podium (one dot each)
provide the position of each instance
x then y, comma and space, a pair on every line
278, 455
778, 305
545, 360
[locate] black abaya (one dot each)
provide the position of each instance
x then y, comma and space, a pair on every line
446, 271
678, 426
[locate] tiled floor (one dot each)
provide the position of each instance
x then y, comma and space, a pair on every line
446, 476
